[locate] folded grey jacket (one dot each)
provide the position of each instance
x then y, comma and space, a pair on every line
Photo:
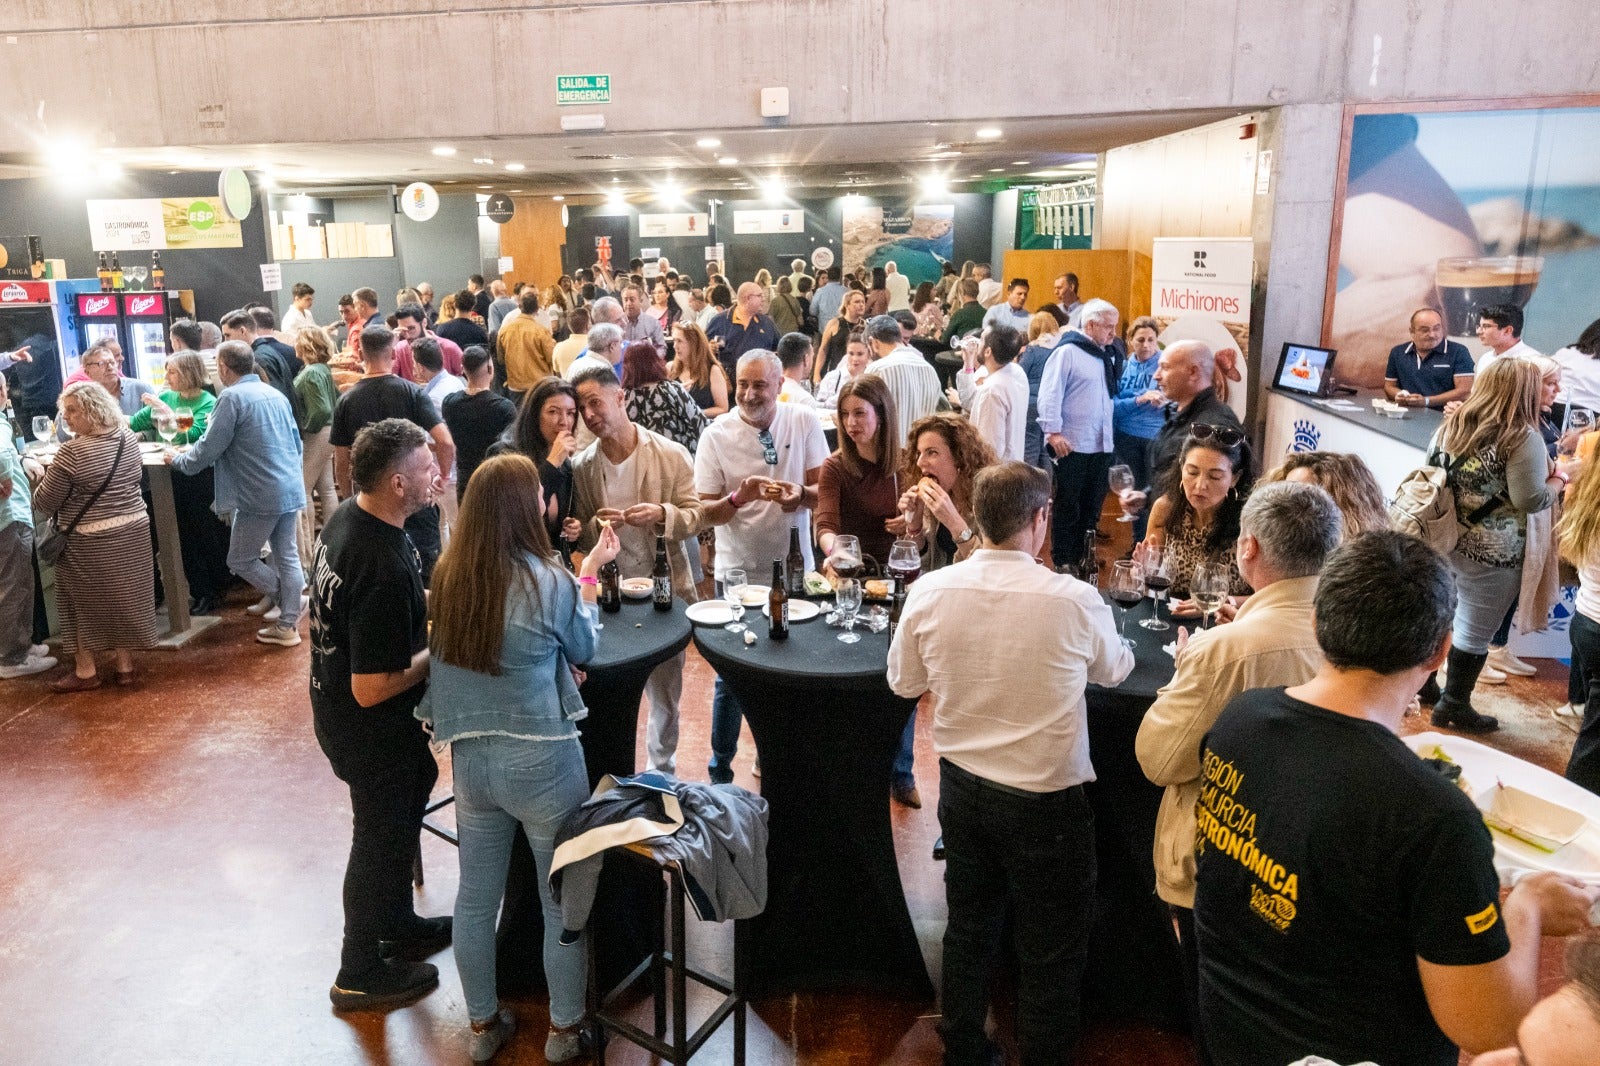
717, 834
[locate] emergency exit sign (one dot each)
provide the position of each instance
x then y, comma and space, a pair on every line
583, 89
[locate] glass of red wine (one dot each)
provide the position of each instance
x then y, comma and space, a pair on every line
1158, 579
1127, 588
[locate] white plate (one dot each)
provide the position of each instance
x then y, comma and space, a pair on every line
799, 610
709, 613
754, 596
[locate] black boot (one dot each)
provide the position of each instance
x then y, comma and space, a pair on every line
1428, 694
1454, 709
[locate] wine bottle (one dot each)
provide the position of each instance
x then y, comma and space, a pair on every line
661, 578
610, 587
777, 605
116, 273
104, 273
158, 274
795, 564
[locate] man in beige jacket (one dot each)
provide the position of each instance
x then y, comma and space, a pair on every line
643, 485
1286, 532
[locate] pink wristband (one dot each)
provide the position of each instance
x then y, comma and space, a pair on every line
586, 580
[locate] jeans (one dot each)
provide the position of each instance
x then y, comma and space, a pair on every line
16, 593
284, 579
499, 782
1080, 490
1577, 675
1034, 855
316, 470
664, 689
726, 717
387, 797
1483, 593
1583, 768
905, 758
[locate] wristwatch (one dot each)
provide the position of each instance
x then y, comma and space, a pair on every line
964, 536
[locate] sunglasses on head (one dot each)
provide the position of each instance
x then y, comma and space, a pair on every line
1226, 436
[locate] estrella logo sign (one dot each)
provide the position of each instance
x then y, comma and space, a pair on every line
1306, 436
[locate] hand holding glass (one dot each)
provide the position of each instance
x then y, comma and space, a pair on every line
1121, 479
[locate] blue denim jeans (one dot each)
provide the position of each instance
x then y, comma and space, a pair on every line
726, 718
499, 782
1483, 594
283, 580
905, 758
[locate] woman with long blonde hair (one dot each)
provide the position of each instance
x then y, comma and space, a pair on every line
1578, 535
507, 623
1499, 473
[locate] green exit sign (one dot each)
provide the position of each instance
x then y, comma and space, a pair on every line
583, 89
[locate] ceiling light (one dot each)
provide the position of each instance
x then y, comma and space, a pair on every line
997, 170
708, 142
1019, 162
728, 160
516, 168
558, 199
486, 186
109, 171
443, 149
773, 188
483, 161
935, 185
989, 133
615, 201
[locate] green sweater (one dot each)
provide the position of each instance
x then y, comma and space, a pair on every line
143, 423
319, 395
965, 319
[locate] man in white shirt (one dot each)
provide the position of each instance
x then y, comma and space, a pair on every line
642, 484
989, 289
794, 352
1014, 312
756, 468
1010, 726
998, 403
898, 286
1075, 413
429, 356
912, 382
1500, 327
298, 317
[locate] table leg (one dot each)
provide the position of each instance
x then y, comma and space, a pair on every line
173, 580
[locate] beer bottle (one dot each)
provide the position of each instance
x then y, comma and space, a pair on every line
795, 584
777, 605
158, 276
610, 588
661, 578
116, 272
897, 603
1090, 569
104, 273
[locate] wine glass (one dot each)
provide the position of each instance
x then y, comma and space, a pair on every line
1579, 422
166, 427
1209, 588
43, 428
845, 557
732, 590
1157, 578
847, 601
139, 274
1121, 479
1126, 589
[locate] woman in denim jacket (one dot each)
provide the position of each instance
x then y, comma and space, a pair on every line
508, 621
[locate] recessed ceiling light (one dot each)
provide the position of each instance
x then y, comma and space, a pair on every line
1019, 162
728, 160
443, 149
988, 133
558, 199
708, 142
483, 161
486, 186
516, 168
518, 191
935, 185
997, 170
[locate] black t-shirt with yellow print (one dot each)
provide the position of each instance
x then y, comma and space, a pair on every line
1329, 858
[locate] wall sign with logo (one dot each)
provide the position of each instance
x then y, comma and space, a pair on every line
685, 224
1200, 290
24, 292
821, 257
96, 305
499, 208
782, 220
419, 201
583, 89
172, 223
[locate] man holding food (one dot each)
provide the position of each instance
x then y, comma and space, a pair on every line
756, 469
640, 483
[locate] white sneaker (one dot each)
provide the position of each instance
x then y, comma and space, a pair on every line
1490, 676
1569, 710
286, 636
262, 606
1502, 659
33, 664
39, 651
277, 612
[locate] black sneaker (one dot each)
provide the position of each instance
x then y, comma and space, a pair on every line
392, 983
432, 936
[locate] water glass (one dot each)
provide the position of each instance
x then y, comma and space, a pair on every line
166, 427
1120, 478
43, 428
733, 583
1209, 589
847, 601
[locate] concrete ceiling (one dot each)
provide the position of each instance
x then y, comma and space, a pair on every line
580, 163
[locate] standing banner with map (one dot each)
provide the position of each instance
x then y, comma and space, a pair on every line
919, 238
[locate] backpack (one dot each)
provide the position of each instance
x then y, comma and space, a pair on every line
1424, 505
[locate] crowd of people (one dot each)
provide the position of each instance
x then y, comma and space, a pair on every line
438, 488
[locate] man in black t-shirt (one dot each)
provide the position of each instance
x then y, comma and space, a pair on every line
379, 395
476, 417
1346, 900
461, 329
369, 667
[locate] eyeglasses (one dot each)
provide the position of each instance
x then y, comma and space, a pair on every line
769, 447
1226, 436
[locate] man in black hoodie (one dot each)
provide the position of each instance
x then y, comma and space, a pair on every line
1184, 377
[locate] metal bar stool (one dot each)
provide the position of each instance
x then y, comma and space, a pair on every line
446, 835
669, 972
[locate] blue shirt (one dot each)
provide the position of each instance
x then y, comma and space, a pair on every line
534, 696
1003, 315
759, 332
254, 443
826, 301
1435, 372
1073, 400
1136, 419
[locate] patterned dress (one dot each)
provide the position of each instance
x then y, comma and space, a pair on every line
666, 407
1186, 550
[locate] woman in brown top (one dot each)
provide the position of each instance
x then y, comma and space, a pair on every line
858, 488
105, 580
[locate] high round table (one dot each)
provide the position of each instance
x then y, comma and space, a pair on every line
1134, 967
627, 916
827, 727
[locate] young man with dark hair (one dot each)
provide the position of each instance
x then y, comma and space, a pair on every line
967, 317
1500, 327
999, 410
1346, 899
369, 668
279, 372
794, 352
411, 326
1013, 312
298, 317
475, 416
526, 349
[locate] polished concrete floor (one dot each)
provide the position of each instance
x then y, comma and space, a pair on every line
171, 861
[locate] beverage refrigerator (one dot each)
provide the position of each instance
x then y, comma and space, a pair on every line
138, 321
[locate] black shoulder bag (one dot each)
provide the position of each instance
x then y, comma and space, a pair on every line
54, 541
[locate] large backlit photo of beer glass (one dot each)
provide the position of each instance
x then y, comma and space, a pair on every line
1467, 284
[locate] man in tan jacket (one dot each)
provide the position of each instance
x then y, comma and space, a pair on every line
527, 350
1286, 532
643, 485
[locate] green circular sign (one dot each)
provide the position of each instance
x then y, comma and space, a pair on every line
233, 185
202, 216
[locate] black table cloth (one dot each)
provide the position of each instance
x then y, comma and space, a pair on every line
827, 727
1134, 968
627, 917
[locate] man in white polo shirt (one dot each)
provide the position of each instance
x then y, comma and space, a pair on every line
756, 468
